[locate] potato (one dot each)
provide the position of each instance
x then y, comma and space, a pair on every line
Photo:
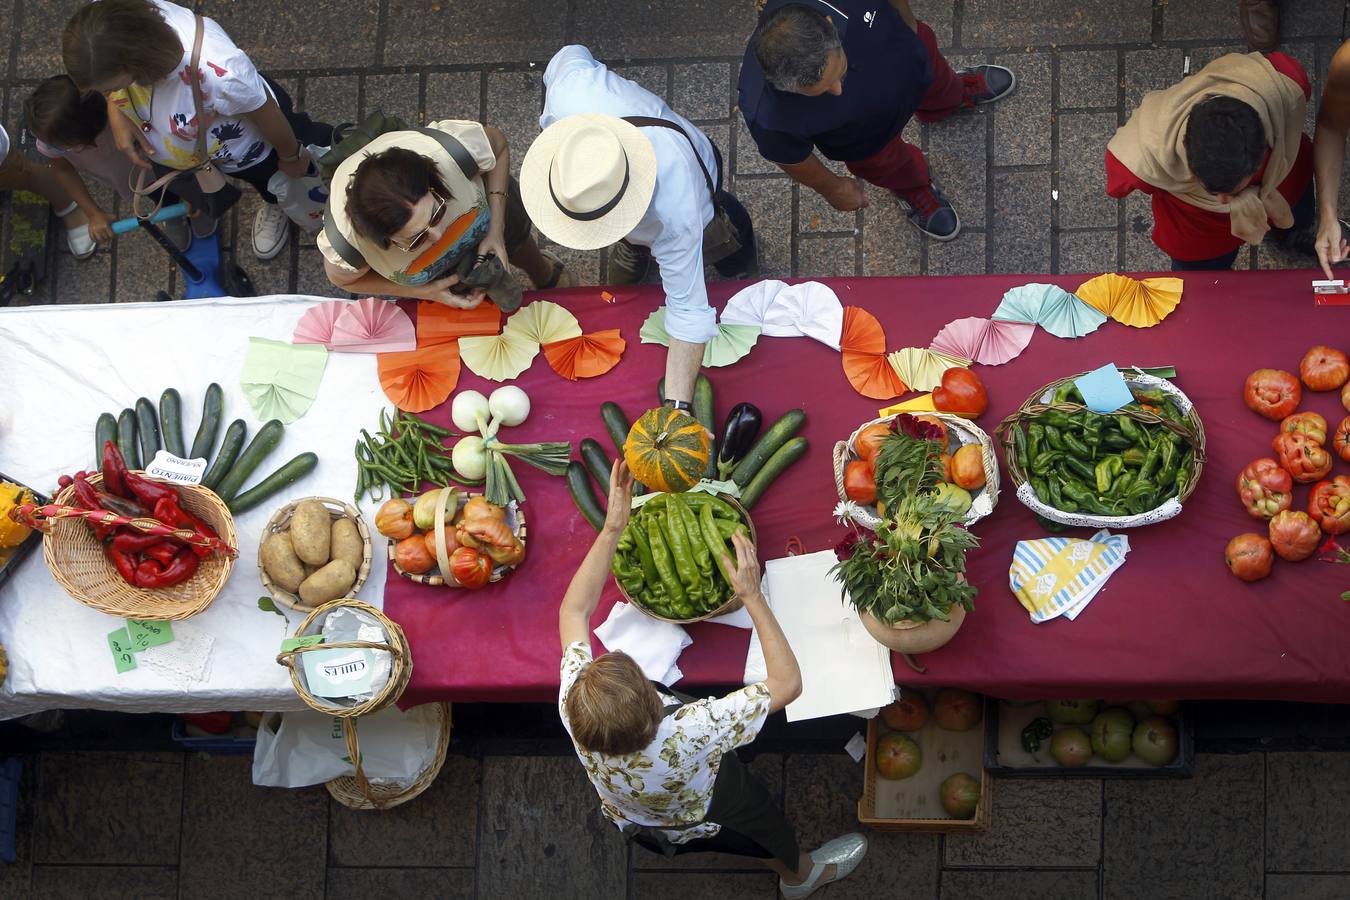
311, 532
280, 562
329, 583
346, 543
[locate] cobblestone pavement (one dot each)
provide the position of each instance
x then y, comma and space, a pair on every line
1027, 179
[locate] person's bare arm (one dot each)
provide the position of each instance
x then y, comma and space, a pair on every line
583, 594
497, 181
902, 7
1333, 128
683, 360
369, 282
784, 679
274, 128
843, 193
127, 137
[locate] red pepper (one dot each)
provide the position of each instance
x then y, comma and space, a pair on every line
125, 563
163, 552
129, 540
147, 491
114, 470
180, 569
86, 495
129, 508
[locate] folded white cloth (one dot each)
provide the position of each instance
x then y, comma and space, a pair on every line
654, 645
809, 309
738, 619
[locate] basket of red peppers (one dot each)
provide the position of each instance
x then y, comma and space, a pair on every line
134, 547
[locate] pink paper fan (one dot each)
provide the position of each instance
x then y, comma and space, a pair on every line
986, 341
316, 325
373, 326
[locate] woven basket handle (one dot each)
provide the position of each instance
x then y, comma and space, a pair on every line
354, 751
840, 461
41, 518
286, 657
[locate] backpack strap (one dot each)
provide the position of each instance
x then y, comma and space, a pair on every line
653, 122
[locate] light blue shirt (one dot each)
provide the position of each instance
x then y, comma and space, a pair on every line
681, 207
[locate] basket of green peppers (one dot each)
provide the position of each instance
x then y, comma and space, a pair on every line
671, 559
1133, 467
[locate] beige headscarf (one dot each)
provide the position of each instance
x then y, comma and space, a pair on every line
1151, 144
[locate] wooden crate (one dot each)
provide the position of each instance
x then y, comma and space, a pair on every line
1005, 758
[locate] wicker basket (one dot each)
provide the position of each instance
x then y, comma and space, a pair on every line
499, 572
732, 604
77, 562
962, 431
397, 645
281, 521
356, 792
1191, 429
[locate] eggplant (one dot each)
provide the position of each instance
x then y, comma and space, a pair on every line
738, 435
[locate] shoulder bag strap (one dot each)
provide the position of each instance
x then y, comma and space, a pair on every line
651, 121
194, 78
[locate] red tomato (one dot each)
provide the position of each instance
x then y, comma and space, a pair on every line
450, 543
1273, 393
1324, 368
967, 467
961, 393
1329, 504
1249, 556
1294, 535
1345, 396
1310, 423
395, 519
1340, 442
412, 556
1264, 488
869, 441
859, 485
470, 568
1303, 458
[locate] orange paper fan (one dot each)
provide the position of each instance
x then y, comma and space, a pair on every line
862, 345
586, 356
417, 380
438, 323
861, 332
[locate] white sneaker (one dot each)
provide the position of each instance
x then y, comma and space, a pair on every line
845, 853
81, 245
271, 231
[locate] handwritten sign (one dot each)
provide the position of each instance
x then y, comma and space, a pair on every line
147, 633
308, 640
119, 642
168, 467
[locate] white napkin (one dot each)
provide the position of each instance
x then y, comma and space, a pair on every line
809, 310
738, 619
654, 645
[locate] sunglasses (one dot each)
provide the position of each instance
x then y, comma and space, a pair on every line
437, 213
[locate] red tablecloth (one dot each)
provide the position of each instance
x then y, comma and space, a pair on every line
1170, 623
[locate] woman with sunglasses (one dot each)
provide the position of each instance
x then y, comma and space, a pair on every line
411, 214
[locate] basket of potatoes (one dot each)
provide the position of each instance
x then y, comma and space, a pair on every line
314, 550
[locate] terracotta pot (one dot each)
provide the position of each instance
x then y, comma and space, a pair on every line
908, 636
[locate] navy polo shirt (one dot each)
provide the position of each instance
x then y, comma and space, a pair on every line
888, 75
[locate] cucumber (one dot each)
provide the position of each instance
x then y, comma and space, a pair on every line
615, 423
593, 455
778, 434
783, 457
105, 430
229, 451
263, 443
706, 414
213, 404
147, 428
126, 439
287, 475
579, 484
171, 422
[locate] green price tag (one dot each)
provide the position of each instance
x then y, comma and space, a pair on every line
292, 643
119, 642
147, 633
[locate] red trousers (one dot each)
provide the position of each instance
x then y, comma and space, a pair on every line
900, 166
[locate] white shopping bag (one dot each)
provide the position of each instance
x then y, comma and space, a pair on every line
302, 199
296, 749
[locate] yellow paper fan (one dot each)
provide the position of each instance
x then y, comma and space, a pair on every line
921, 368
498, 357
1139, 304
543, 322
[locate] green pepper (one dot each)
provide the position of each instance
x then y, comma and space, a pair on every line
1053, 418
1019, 440
721, 508
1122, 482
1053, 437
702, 556
1076, 447
1183, 478
725, 528
1141, 503
665, 564
1068, 393
644, 554
1130, 429
1039, 730
1042, 463
1167, 469
1059, 498
717, 545
1153, 395
1150, 463
1042, 491
1035, 439
685, 567
1133, 456
1080, 469
1079, 494
1107, 469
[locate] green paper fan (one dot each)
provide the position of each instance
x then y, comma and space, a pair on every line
731, 343
280, 380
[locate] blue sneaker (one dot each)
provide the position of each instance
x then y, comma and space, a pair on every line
930, 212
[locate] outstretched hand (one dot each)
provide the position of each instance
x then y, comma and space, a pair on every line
620, 497
745, 570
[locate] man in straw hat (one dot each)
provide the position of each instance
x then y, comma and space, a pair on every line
616, 167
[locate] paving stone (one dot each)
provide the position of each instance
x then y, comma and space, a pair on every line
937, 15
40, 36
1039, 822
497, 31
310, 278
1149, 70
1269, 256
9, 11
514, 101
404, 884
1199, 19
584, 264
963, 256
1163, 840
1087, 78
272, 276
822, 803
143, 831
455, 95
820, 256
1088, 251
542, 828
289, 36
16, 877
1307, 887
702, 90
1083, 201
334, 100
1004, 23
891, 246
707, 886
83, 280
1306, 794
238, 837
814, 212
1022, 122
684, 28
105, 883
1141, 254
142, 268
396, 95
1018, 885
653, 78
1017, 235
748, 159
769, 202
957, 161
1203, 56
434, 829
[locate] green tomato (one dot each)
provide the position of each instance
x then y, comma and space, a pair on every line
955, 498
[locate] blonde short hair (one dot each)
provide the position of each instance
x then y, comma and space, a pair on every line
612, 707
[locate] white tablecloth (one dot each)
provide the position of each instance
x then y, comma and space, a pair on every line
60, 366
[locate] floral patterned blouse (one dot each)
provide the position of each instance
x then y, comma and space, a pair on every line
670, 781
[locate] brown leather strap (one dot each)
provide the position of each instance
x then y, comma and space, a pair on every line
195, 79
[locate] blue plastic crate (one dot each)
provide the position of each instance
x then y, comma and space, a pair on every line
223, 744
10, 770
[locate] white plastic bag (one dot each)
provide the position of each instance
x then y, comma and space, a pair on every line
296, 749
302, 199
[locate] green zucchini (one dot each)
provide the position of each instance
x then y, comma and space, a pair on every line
778, 434
171, 422
287, 475
126, 439
105, 430
593, 455
263, 443
616, 423
229, 452
783, 457
213, 404
147, 428
579, 484
706, 414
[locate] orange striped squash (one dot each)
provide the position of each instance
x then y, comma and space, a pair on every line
667, 450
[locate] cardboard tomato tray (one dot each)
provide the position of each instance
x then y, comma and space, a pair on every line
1006, 757
11, 557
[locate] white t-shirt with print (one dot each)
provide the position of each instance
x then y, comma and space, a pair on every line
231, 86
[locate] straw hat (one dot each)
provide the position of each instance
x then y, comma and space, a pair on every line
587, 180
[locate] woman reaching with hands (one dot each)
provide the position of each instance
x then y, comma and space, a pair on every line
665, 766
1333, 128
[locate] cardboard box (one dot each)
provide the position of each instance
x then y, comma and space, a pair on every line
1006, 757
